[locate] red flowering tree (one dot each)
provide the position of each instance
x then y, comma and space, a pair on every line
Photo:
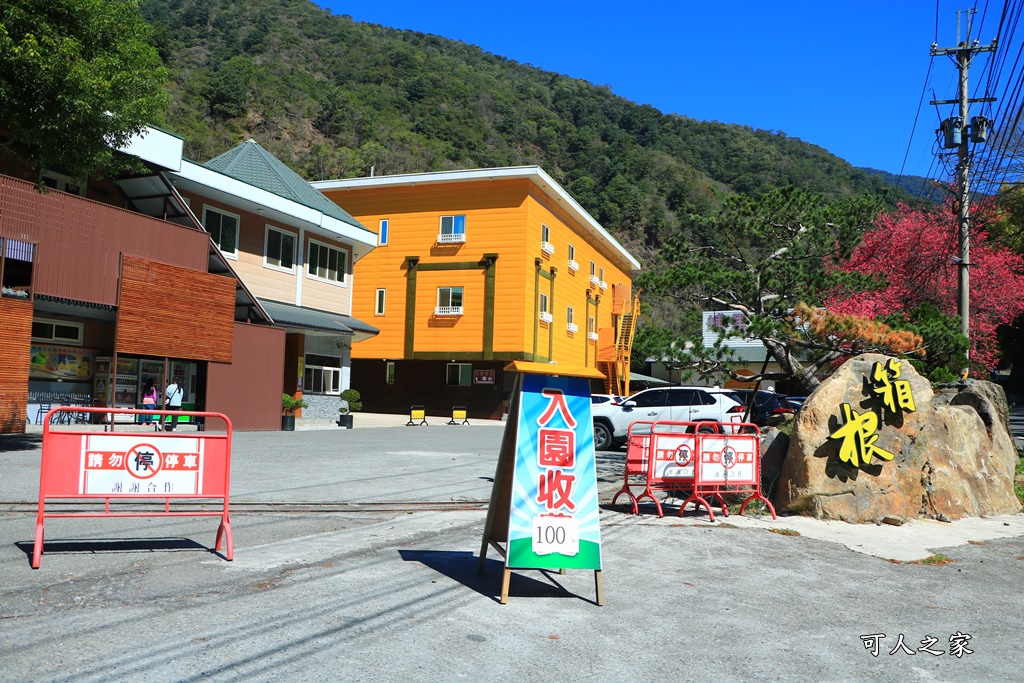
912, 249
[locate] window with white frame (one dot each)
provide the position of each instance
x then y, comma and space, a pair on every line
389, 372
223, 228
573, 265
322, 374
591, 328
449, 301
325, 262
593, 274
57, 331
545, 315
545, 240
600, 279
570, 319
453, 229
378, 308
382, 233
279, 249
459, 374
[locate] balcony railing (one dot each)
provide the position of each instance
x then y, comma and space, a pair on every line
573, 266
546, 317
603, 285
547, 248
592, 336
451, 238
572, 327
447, 311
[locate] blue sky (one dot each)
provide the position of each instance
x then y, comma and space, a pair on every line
847, 76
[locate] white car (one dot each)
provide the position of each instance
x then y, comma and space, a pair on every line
681, 404
596, 399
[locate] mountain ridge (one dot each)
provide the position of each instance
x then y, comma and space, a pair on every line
332, 98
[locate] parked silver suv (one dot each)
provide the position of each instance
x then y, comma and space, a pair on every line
691, 404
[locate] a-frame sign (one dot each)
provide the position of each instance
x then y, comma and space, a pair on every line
543, 512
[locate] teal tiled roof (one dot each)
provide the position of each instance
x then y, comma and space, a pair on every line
255, 166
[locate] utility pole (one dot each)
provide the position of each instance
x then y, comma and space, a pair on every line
956, 135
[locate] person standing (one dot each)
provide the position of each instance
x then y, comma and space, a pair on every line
149, 394
172, 401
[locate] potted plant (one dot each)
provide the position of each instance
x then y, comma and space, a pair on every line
351, 402
288, 407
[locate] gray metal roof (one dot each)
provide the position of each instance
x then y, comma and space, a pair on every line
311, 318
254, 165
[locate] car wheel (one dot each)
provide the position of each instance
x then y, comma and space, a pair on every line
602, 437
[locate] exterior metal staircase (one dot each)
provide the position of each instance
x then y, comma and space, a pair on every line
613, 353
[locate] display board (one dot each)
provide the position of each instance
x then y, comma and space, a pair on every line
544, 506
553, 522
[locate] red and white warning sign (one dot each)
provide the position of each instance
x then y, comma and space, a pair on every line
727, 459
673, 455
157, 466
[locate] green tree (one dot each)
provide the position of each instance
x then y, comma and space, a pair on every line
771, 258
77, 78
945, 347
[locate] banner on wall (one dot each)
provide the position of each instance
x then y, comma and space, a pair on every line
62, 362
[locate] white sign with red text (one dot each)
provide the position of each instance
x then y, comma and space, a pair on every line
727, 459
149, 465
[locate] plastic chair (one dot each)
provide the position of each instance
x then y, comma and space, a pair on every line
44, 408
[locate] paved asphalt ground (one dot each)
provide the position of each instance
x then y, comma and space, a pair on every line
338, 577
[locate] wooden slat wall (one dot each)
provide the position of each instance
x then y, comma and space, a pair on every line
15, 349
167, 310
80, 241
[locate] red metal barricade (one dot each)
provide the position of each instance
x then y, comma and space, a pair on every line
700, 461
727, 463
637, 445
670, 463
105, 466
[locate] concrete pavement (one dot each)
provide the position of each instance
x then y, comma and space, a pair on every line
330, 592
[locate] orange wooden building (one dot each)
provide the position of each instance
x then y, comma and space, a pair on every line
473, 269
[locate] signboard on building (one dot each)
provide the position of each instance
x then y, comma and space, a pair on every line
715, 322
483, 377
62, 362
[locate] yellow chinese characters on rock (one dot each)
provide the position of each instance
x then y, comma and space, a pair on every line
859, 433
895, 392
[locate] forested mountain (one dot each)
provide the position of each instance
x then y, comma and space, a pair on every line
333, 97
917, 186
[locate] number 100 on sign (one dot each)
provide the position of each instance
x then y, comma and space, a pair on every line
556, 535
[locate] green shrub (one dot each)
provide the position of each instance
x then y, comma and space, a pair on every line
289, 405
351, 401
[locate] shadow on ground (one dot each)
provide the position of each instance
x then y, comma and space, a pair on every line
462, 567
12, 443
110, 545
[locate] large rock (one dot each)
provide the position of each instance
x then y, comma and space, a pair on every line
987, 398
953, 455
